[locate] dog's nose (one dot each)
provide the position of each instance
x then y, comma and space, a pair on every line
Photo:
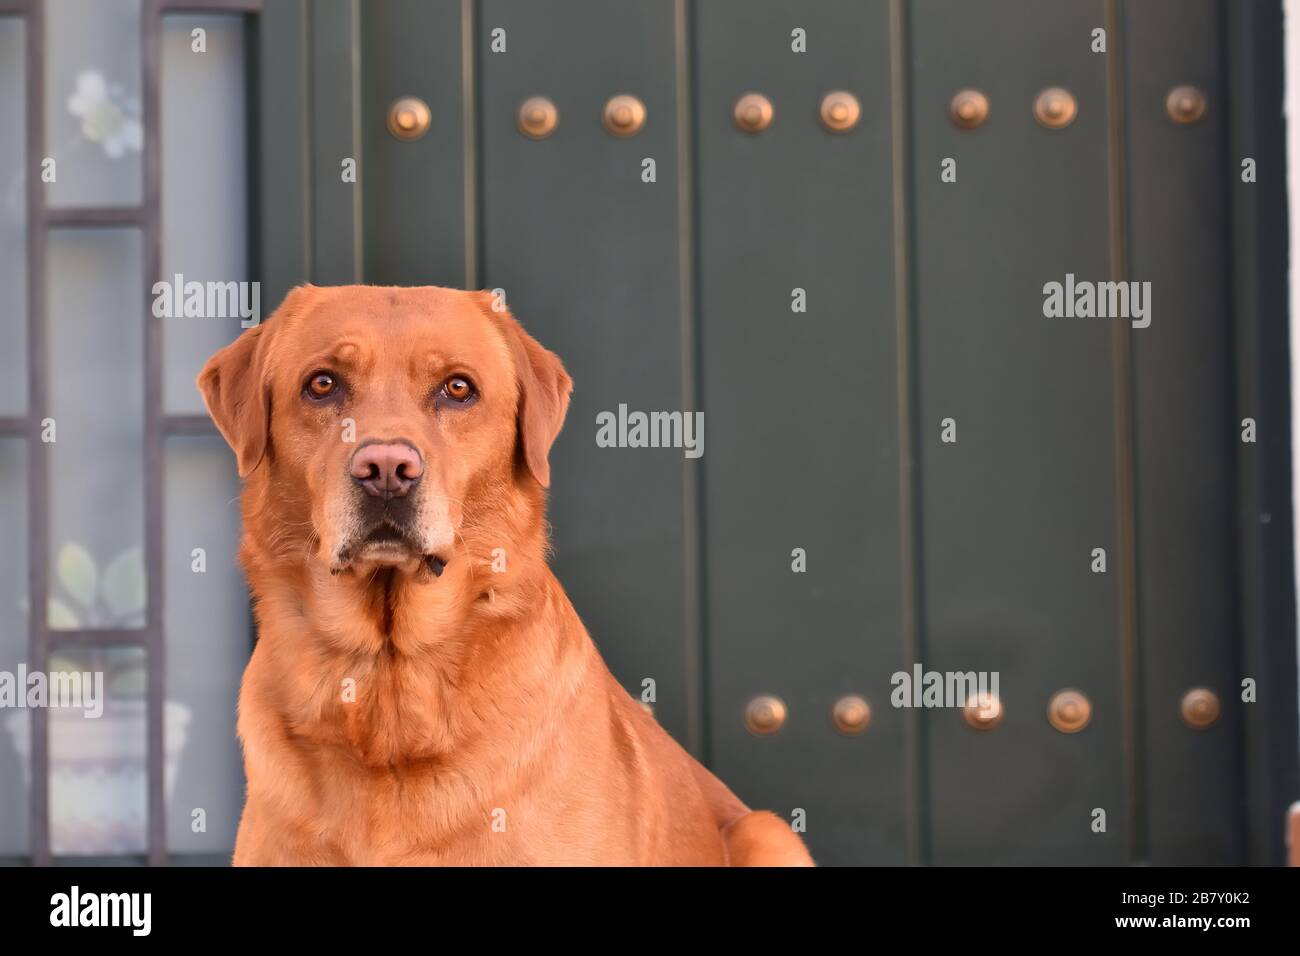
386, 470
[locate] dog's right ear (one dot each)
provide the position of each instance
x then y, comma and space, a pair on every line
234, 389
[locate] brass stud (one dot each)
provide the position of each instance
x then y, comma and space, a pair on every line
753, 112
1055, 108
408, 118
851, 714
624, 115
537, 117
1185, 105
1200, 708
1069, 711
983, 712
840, 111
765, 715
969, 109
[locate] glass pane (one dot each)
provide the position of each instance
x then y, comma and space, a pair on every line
98, 782
14, 738
208, 632
97, 403
204, 198
93, 126
13, 219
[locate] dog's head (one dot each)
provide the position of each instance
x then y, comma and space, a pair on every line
373, 420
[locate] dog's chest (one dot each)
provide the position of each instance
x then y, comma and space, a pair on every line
446, 815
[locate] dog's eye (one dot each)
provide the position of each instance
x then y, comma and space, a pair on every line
321, 385
458, 389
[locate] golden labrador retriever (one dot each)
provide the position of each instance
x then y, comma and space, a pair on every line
422, 691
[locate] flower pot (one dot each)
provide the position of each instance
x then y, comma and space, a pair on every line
99, 774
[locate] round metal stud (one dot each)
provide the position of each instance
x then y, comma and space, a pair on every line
765, 715
969, 109
983, 712
624, 115
1200, 708
537, 117
408, 118
851, 714
1185, 105
753, 112
839, 111
1055, 108
1069, 711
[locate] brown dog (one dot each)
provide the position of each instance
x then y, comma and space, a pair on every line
422, 691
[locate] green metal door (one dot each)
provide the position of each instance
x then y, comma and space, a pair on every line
906, 462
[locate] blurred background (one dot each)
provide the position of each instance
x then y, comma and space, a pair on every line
827, 226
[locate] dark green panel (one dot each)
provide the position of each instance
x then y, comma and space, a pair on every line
336, 125
1012, 511
415, 192
1265, 519
283, 191
1186, 437
588, 256
802, 418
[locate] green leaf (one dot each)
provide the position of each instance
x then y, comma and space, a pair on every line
61, 663
60, 617
77, 574
124, 584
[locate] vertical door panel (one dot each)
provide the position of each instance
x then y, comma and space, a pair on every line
1186, 438
415, 212
335, 124
1012, 511
283, 195
802, 417
587, 254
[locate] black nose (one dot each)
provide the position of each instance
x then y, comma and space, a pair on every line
386, 469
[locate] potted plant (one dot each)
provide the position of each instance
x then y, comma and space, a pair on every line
98, 766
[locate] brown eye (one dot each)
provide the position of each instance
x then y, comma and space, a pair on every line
321, 385
458, 389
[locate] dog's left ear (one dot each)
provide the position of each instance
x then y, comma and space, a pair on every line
544, 389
